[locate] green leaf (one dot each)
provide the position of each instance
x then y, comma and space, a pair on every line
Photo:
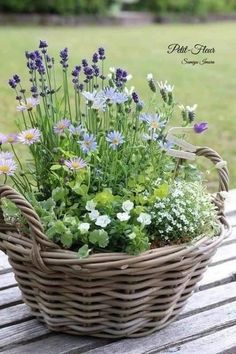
55, 167
99, 237
58, 194
67, 239
84, 251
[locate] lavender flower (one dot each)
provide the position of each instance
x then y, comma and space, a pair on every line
61, 126
95, 58
43, 44
84, 62
76, 71
64, 57
115, 139
12, 83
7, 166
120, 77
88, 72
30, 136
200, 127
88, 143
135, 97
75, 163
101, 52
16, 78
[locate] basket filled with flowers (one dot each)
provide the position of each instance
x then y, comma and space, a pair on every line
107, 222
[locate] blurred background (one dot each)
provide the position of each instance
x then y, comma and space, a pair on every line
136, 36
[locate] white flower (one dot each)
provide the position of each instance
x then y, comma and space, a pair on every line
221, 164
90, 205
30, 103
144, 219
127, 206
191, 108
129, 91
123, 216
103, 220
112, 70
165, 86
169, 88
149, 77
84, 227
93, 215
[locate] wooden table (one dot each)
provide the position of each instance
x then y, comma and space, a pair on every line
207, 325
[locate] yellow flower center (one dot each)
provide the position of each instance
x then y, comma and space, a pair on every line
29, 136
61, 126
10, 139
115, 141
154, 125
75, 165
4, 168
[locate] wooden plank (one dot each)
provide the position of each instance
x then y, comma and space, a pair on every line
10, 296
59, 344
4, 264
211, 344
224, 253
7, 280
210, 298
188, 328
13, 314
21, 332
218, 274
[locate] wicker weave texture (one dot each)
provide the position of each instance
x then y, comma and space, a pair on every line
107, 294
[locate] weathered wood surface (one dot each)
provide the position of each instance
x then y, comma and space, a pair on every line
207, 325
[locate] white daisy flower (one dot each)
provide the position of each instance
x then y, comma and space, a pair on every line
94, 214
84, 227
30, 103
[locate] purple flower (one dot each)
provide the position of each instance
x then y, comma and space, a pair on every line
12, 83
43, 44
16, 78
200, 127
135, 97
61, 126
95, 58
75, 163
115, 139
31, 102
11, 138
6, 155
88, 71
84, 63
75, 72
30, 136
101, 52
88, 143
76, 130
64, 57
120, 77
166, 145
112, 95
153, 120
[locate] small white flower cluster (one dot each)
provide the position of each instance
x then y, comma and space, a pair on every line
185, 213
94, 215
144, 218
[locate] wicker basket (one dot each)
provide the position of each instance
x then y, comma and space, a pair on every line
107, 294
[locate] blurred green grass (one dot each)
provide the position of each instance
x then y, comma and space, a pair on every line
141, 50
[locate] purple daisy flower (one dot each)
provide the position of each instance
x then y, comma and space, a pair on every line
11, 138
88, 143
7, 166
61, 126
75, 163
200, 127
115, 139
30, 136
76, 130
6, 155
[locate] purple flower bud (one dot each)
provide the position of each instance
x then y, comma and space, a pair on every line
43, 44
96, 70
200, 127
78, 68
64, 57
95, 58
75, 73
135, 97
12, 83
101, 52
33, 89
16, 78
84, 63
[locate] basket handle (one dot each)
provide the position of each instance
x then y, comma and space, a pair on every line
28, 212
223, 175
